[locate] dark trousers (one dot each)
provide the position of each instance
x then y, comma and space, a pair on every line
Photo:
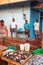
27, 31
36, 34
12, 30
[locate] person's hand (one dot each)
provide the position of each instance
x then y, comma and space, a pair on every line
27, 31
16, 26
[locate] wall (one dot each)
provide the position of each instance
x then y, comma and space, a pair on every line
34, 14
17, 13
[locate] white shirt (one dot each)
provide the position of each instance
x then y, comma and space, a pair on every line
36, 26
13, 25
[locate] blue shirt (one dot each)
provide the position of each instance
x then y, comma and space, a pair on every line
26, 26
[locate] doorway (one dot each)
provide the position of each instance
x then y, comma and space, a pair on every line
41, 22
41, 25
41, 17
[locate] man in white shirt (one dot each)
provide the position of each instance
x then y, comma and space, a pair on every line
36, 28
13, 27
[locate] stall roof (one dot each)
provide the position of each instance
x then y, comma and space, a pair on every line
39, 7
13, 1
40, 1
9, 1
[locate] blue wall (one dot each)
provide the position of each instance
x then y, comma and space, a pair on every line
34, 14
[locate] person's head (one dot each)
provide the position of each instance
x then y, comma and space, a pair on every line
36, 20
26, 21
13, 20
2, 22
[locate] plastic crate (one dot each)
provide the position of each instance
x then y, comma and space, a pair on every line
38, 51
11, 47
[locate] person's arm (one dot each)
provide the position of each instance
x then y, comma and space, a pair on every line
16, 26
34, 24
24, 27
10, 26
28, 26
6, 31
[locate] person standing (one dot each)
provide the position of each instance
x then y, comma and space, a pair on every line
36, 28
3, 29
13, 27
27, 27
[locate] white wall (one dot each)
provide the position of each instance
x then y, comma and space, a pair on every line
17, 13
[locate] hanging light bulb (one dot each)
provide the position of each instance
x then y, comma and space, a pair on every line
24, 15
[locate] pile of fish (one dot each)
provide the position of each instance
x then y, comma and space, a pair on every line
36, 60
18, 55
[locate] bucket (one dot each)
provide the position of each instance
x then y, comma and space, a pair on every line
27, 46
22, 47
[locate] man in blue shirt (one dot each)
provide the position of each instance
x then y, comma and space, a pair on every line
27, 27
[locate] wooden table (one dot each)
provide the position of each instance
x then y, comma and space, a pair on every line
1, 61
11, 62
1, 50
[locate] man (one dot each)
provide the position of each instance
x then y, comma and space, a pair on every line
27, 27
13, 27
36, 28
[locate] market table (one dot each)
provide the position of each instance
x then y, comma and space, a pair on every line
2, 48
10, 62
13, 62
